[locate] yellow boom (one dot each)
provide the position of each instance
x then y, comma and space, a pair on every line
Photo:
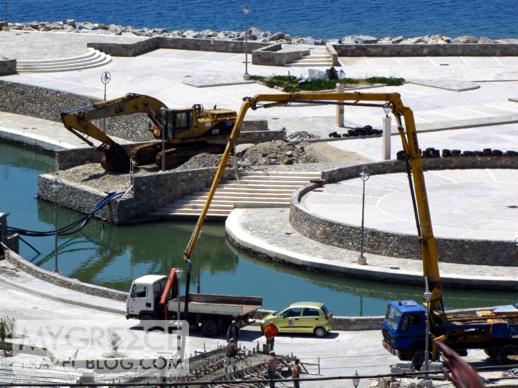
407, 131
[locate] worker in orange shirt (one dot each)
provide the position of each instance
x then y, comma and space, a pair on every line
270, 331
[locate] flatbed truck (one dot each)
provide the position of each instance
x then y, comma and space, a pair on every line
211, 314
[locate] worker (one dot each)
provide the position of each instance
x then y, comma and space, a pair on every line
230, 357
233, 331
273, 363
270, 331
295, 373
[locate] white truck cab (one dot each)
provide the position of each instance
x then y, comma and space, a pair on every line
144, 297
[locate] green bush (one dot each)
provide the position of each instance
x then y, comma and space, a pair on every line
291, 84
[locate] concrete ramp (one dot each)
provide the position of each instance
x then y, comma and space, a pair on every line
261, 189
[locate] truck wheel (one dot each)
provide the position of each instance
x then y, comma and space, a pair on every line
147, 317
209, 328
418, 360
508, 355
492, 352
320, 332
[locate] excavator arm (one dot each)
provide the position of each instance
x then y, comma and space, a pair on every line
79, 122
407, 131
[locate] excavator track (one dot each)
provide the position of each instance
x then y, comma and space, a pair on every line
145, 153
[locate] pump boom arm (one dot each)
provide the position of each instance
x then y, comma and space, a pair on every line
407, 131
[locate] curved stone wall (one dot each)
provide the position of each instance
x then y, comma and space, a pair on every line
462, 251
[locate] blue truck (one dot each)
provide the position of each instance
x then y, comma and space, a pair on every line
495, 330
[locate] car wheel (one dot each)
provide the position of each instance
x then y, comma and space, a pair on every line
320, 332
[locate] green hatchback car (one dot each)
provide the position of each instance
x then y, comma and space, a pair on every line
301, 317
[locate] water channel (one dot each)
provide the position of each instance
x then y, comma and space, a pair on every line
113, 256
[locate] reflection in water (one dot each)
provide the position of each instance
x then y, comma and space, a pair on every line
114, 256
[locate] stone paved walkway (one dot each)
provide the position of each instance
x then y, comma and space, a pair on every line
44, 134
267, 232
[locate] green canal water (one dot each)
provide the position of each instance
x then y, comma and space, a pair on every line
113, 256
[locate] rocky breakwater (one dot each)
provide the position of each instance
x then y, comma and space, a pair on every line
254, 34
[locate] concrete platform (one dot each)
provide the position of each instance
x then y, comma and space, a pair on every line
465, 204
268, 233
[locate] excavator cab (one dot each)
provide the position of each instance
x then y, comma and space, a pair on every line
178, 120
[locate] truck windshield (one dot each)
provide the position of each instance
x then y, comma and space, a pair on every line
393, 316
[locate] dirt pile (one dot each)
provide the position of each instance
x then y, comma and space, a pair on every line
204, 160
263, 154
276, 152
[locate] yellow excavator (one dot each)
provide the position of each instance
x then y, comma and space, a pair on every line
408, 325
184, 132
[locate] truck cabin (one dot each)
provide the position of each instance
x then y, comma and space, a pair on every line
404, 318
144, 296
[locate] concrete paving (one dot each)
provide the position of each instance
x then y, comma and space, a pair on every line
468, 204
268, 232
161, 74
43, 134
456, 86
25, 45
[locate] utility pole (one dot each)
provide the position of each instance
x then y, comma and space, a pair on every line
246, 11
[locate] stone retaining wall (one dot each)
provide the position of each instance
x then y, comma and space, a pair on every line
63, 281
48, 104
463, 251
7, 66
338, 323
273, 55
149, 193
426, 50
139, 48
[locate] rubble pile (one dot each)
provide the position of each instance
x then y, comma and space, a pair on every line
204, 160
276, 152
302, 136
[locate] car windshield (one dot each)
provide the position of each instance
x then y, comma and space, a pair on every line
325, 309
393, 316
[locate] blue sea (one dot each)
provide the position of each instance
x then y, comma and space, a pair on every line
319, 19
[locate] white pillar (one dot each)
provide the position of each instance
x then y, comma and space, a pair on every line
387, 130
340, 108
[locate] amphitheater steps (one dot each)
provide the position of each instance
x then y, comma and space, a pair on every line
271, 189
92, 58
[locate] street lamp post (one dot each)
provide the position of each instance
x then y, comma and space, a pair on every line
364, 175
106, 77
55, 188
246, 10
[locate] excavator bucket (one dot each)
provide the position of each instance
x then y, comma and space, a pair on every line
115, 159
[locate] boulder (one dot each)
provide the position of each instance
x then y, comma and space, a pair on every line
484, 40
277, 36
350, 40
465, 39
116, 29
70, 22
307, 40
367, 39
